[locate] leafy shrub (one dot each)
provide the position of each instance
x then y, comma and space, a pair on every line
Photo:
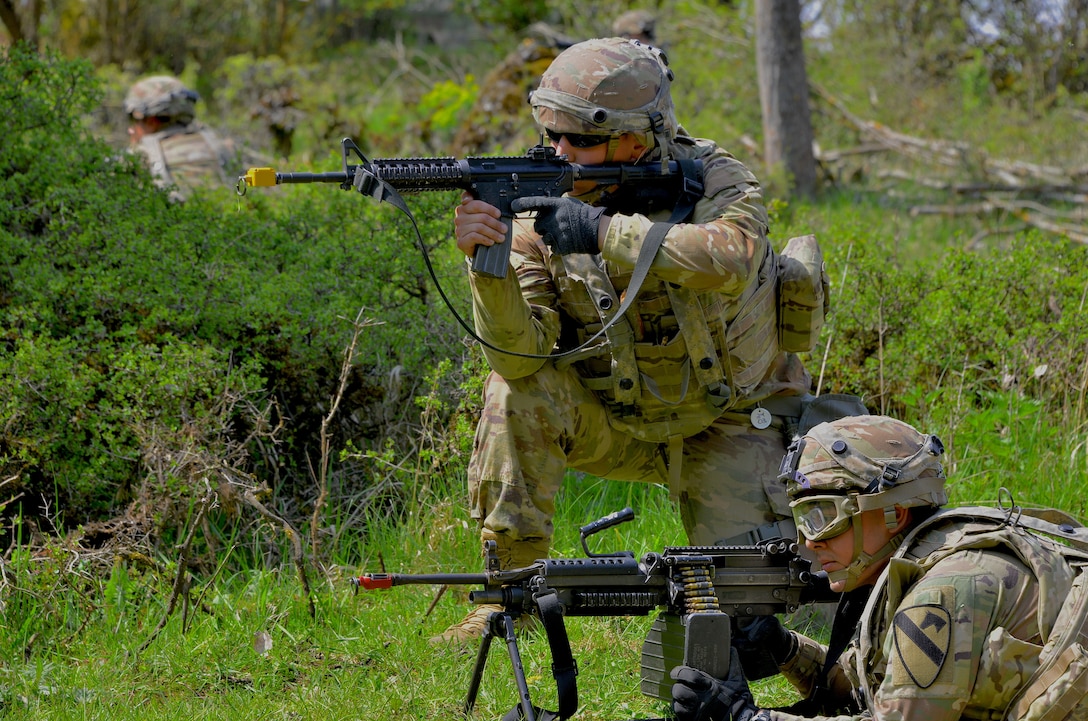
119, 308
984, 347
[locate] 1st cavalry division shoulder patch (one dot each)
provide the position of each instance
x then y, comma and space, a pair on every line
922, 637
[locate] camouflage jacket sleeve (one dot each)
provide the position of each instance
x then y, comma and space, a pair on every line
804, 667
518, 312
722, 248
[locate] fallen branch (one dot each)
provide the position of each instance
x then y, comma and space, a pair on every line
1006, 186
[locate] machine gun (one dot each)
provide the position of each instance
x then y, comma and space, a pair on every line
499, 180
697, 589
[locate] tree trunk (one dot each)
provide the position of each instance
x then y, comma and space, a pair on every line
9, 15
783, 93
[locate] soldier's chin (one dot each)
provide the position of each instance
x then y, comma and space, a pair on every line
586, 191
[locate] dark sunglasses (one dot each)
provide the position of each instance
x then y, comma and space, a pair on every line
578, 140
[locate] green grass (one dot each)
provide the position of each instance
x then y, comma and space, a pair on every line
76, 654
364, 655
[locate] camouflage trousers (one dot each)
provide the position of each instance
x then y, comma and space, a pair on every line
532, 429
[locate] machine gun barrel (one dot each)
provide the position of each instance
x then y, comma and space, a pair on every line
374, 581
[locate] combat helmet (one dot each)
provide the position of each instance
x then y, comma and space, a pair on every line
839, 470
606, 87
161, 96
638, 24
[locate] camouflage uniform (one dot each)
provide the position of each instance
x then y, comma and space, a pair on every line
954, 630
967, 607
185, 154
542, 416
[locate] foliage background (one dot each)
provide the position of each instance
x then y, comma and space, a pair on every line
288, 348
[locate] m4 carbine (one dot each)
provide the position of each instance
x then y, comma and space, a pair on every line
676, 185
696, 589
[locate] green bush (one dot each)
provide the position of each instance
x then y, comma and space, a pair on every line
118, 307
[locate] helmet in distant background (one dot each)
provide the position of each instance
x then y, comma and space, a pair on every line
638, 24
608, 86
841, 469
161, 96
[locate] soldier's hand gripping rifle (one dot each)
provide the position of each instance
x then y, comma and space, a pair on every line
499, 180
696, 589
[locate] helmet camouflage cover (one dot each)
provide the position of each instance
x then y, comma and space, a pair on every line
608, 86
161, 96
880, 457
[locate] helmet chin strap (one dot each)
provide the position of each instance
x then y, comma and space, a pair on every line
861, 560
613, 146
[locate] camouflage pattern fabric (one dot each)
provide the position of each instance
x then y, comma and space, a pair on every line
533, 428
954, 629
539, 420
161, 96
638, 24
187, 158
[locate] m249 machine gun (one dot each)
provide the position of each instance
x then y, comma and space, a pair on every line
695, 589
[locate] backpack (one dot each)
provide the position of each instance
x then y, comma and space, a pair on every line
804, 294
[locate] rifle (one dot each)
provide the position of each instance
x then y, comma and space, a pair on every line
499, 180
698, 588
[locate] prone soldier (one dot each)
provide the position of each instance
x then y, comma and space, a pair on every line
969, 612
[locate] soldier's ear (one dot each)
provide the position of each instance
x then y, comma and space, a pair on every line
902, 520
638, 150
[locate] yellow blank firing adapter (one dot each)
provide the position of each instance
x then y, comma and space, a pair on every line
260, 177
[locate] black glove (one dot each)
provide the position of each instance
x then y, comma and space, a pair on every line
754, 635
565, 224
698, 696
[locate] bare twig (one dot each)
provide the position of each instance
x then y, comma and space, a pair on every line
292, 536
181, 580
323, 467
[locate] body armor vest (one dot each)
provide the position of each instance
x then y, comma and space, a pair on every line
186, 157
1057, 688
679, 359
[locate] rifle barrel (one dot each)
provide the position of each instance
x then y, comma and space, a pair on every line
331, 177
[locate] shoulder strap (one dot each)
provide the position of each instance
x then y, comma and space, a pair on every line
691, 190
1050, 522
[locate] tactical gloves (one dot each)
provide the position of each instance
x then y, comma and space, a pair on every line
565, 224
698, 696
764, 634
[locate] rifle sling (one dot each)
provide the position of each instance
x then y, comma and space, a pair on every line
564, 667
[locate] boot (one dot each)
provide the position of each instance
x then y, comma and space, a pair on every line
511, 554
